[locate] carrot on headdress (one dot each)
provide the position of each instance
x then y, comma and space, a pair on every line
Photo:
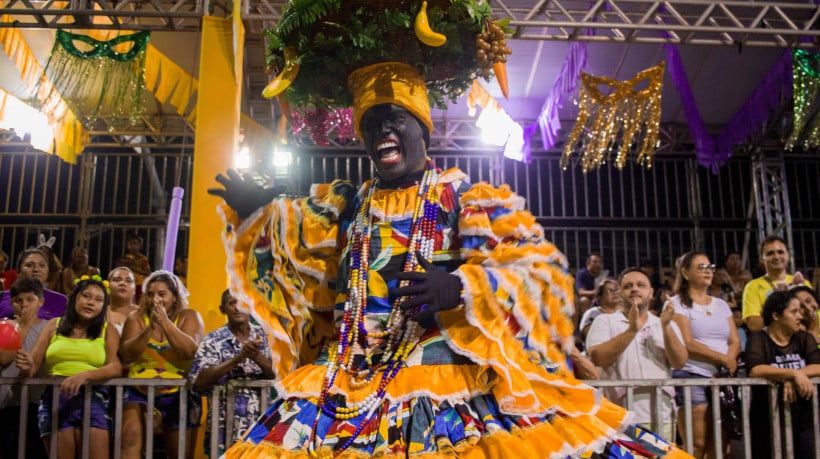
500, 70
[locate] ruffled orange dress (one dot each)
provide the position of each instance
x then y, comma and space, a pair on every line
485, 380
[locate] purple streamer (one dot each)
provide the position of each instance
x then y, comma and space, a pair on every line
704, 143
769, 96
566, 83
172, 229
713, 153
526, 149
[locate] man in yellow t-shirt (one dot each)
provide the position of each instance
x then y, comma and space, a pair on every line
775, 257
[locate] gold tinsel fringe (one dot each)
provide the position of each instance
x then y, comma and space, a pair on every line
169, 82
94, 85
619, 122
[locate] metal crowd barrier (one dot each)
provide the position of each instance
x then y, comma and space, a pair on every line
226, 394
745, 385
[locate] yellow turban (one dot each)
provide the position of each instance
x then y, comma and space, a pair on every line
389, 83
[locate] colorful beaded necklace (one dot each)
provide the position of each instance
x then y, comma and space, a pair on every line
400, 334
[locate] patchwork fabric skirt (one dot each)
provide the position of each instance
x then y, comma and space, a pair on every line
423, 425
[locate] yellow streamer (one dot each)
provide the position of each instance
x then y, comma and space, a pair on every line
70, 138
169, 83
618, 122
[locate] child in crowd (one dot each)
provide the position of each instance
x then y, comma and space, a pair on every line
79, 347
26, 299
7, 276
77, 268
135, 260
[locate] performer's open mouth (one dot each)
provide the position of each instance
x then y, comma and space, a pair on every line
387, 152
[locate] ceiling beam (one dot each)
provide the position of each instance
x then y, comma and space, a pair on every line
700, 22
451, 136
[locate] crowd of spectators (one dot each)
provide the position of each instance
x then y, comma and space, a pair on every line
98, 330
711, 320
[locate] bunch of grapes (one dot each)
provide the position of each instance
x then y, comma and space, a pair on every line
491, 48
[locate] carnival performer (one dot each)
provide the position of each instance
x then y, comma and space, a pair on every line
418, 314
449, 306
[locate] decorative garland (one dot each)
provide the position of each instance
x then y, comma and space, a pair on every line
400, 335
317, 123
100, 81
771, 94
806, 75
711, 152
95, 278
618, 122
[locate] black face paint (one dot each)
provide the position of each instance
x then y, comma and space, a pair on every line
394, 140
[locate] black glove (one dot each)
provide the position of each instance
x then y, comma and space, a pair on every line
434, 290
243, 195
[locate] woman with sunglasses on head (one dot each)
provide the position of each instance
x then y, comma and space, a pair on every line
711, 338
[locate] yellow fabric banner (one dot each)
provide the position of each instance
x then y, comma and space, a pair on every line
70, 138
217, 131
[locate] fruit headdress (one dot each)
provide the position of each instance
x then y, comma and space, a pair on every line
318, 44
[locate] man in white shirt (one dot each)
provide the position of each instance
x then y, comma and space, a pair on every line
634, 344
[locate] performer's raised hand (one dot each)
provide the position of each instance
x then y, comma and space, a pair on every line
243, 195
434, 290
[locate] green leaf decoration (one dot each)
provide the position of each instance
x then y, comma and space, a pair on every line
335, 37
302, 13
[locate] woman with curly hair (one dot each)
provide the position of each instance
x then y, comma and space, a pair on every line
159, 340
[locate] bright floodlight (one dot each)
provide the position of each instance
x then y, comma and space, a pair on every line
242, 158
494, 126
281, 161
27, 122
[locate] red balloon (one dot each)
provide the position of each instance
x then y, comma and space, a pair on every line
9, 336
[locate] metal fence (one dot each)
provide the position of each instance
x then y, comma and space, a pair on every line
627, 215
225, 394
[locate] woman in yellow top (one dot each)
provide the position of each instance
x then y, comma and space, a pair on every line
159, 341
79, 347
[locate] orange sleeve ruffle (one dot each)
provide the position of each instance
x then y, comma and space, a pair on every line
283, 260
521, 327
